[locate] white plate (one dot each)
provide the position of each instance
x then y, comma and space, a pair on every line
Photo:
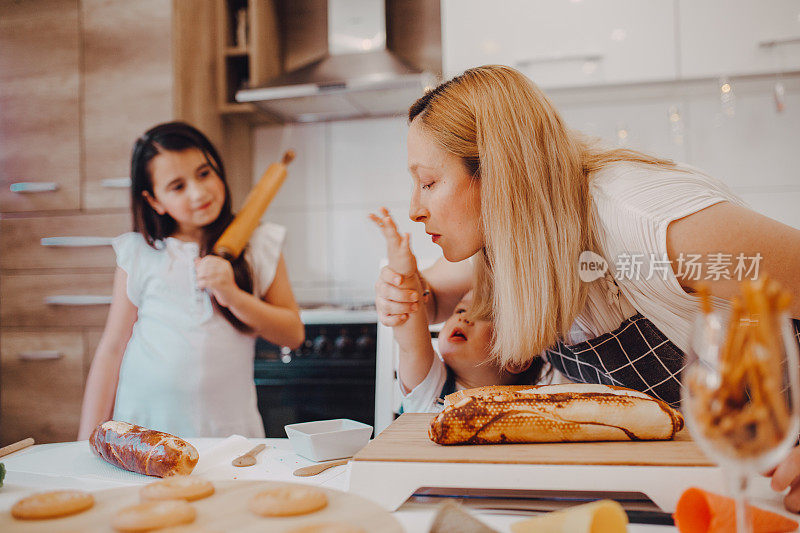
328, 439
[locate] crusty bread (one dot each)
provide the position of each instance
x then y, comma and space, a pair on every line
553, 413
142, 450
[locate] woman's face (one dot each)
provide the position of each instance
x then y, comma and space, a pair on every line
446, 198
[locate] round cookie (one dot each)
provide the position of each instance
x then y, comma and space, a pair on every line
52, 504
177, 488
328, 527
154, 515
288, 501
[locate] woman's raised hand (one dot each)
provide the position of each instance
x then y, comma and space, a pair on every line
395, 298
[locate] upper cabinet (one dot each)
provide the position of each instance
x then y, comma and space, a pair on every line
127, 88
39, 99
734, 37
563, 43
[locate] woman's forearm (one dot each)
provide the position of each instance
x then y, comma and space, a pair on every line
278, 325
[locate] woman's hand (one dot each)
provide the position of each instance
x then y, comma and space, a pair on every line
786, 475
216, 274
393, 302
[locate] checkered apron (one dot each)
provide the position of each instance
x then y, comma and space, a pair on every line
636, 355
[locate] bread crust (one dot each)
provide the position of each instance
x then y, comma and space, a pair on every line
553, 413
142, 450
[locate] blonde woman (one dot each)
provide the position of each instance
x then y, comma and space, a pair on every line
514, 198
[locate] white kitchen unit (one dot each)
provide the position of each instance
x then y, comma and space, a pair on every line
735, 37
561, 43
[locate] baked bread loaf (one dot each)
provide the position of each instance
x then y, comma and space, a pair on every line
552, 413
142, 450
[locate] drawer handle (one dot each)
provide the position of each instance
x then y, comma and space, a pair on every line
34, 186
40, 355
77, 299
778, 42
116, 183
558, 58
76, 241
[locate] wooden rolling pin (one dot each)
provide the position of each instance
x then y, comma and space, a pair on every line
237, 235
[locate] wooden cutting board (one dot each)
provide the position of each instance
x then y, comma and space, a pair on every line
225, 511
407, 440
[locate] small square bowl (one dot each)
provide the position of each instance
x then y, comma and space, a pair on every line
328, 439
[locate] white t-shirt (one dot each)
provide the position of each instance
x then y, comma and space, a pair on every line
632, 206
187, 370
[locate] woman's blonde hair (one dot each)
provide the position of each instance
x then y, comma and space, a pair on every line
535, 202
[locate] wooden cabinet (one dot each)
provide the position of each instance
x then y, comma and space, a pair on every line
39, 98
127, 89
41, 385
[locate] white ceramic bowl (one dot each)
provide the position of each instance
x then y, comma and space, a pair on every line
328, 439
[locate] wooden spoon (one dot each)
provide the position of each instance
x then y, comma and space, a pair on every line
248, 459
313, 470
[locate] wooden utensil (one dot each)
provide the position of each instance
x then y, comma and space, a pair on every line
236, 236
17, 446
313, 470
248, 459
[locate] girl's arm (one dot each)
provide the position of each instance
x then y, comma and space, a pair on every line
412, 336
275, 317
732, 230
101, 384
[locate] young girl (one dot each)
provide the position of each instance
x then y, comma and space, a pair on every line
177, 351
464, 342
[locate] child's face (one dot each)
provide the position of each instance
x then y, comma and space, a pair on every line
464, 343
186, 188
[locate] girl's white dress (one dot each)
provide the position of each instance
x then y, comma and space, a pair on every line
187, 370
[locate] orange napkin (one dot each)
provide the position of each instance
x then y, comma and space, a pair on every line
699, 511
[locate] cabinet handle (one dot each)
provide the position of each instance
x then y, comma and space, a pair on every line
558, 58
77, 299
40, 355
79, 241
778, 42
116, 183
34, 186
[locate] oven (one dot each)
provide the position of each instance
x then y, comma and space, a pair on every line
332, 375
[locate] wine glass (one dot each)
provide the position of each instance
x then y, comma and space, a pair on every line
740, 395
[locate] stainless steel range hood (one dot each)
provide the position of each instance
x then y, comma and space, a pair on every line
375, 59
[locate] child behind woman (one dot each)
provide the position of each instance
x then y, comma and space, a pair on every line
464, 343
177, 351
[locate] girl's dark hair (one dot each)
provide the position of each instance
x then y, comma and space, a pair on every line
177, 137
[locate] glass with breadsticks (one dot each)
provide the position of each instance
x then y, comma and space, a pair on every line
740, 385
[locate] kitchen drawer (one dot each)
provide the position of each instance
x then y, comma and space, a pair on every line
65, 242
76, 299
41, 385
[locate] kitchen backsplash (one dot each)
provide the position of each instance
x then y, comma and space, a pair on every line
346, 169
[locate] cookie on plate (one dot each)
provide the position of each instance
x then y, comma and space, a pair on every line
328, 527
177, 488
289, 500
154, 515
52, 504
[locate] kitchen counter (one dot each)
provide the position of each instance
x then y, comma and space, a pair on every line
72, 465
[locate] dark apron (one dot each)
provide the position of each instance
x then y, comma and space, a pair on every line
636, 355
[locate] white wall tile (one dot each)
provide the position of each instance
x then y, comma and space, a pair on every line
305, 184
782, 206
647, 124
368, 162
305, 251
757, 147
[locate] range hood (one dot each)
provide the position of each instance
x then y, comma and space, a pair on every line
351, 59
